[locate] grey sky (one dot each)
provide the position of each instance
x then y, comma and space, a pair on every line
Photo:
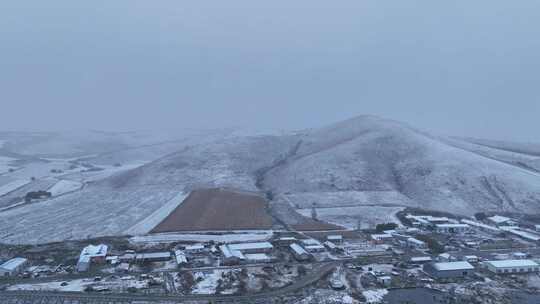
454, 67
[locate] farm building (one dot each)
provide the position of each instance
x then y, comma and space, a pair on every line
501, 220
451, 228
512, 266
12, 267
92, 254
285, 241
153, 257
259, 247
335, 238
258, 257
299, 253
471, 258
231, 256
449, 269
421, 260
331, 246
382, 237
194, 249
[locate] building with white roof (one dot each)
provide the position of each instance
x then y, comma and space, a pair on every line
500, 220
196, 248
12, 267
421, 259
471, 258
299, 252
258, 257
415, 243
451, 228
512, 266
153, 257
258, 247
335, 238
180, 256
92, 253
449, 269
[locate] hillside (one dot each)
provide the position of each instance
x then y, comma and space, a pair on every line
362, 169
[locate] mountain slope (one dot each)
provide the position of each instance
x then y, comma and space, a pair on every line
360, 162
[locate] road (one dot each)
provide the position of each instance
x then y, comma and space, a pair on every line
69, 297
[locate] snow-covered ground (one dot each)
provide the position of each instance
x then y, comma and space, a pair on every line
144, 226
12, 186
75, 285
375, 296
206, 282
348, 217
64, 186
6, 164
222, 238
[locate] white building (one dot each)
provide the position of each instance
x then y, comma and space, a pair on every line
501, 220
92, 253
258, 247
421, 260
415, 243
336, 238
12, 267
512, 266
194, 249
299, 252
180, 256
451, 228
258, 257
471, 258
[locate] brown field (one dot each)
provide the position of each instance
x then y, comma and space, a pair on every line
217, 209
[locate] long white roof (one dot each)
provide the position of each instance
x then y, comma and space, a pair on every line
298, 249
462, 265
13, 264
250, 246
512, 263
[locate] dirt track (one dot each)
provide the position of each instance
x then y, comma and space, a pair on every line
217, 209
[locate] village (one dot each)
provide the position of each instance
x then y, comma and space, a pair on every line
443, 256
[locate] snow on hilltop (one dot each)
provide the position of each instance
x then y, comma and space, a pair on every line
360, 162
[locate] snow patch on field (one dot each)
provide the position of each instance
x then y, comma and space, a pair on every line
64, 186
12, 186
348, 217
221, 238
144, 226
75, 285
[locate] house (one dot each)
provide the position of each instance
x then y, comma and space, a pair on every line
451, 228
382, 237
449, 269
113, 259
92, 254
331, 246
12, 267
512, 266
299, 253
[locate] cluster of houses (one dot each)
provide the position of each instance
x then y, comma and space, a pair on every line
12, 267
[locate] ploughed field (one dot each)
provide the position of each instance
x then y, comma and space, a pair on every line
217, 209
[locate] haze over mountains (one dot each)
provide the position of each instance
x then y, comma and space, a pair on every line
362, 162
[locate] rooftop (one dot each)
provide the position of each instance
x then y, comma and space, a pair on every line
12, 264
248, 246
499, 219
462, 265
512, 263
298, 249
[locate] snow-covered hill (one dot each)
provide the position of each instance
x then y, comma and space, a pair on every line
361, 162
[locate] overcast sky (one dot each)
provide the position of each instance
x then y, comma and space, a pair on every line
454, 67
